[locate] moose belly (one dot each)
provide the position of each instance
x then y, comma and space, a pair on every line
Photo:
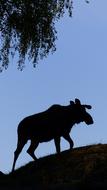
44, 134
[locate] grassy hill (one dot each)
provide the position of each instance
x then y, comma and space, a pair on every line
81, 168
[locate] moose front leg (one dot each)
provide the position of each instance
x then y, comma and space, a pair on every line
68, 138
57, 144
32, 148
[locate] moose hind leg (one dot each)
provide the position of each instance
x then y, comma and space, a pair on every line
17, 152
68, 138
32, 148
57, 144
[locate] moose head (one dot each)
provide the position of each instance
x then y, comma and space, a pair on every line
81, 114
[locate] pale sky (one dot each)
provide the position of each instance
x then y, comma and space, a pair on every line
76, 70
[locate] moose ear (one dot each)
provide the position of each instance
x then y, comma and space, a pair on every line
88, 106
77, 101
71, 103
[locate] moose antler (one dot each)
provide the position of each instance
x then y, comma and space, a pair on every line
77, 101
88, 106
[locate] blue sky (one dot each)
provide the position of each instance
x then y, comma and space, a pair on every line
77, 69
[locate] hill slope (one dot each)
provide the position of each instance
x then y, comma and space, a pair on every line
80, 168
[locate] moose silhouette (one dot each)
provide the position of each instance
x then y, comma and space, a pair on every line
54, 123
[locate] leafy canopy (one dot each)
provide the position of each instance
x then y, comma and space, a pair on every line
27, 27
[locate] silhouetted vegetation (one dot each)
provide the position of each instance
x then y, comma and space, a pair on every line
81, 168
28, 28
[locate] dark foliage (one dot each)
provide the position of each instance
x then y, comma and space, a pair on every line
28, 28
